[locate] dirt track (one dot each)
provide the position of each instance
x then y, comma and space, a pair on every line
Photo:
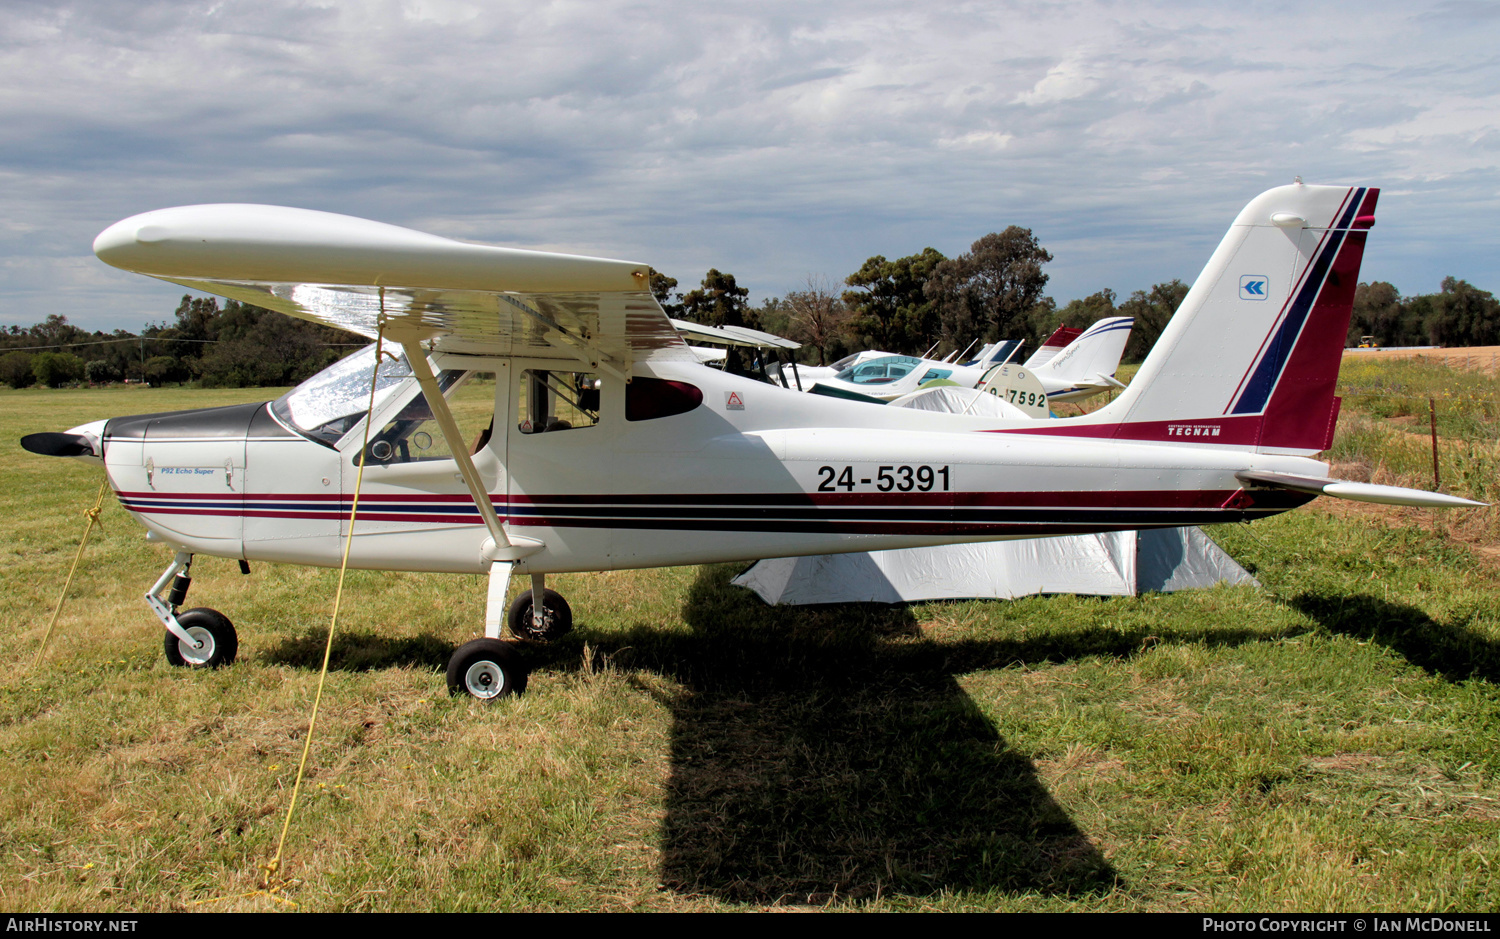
1483, 358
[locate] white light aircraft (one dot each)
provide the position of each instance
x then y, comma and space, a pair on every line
1086, 366
610, 446
1082, 368
887, 377
765, 348
992, 354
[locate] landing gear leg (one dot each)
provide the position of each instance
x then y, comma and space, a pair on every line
201, 638
551, 619
495, 601
491, 667
539, 610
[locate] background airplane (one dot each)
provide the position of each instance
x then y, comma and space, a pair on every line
1084, 367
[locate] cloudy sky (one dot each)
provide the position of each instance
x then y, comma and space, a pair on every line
771, 140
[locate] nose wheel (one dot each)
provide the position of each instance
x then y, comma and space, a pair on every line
486, 669
214, 644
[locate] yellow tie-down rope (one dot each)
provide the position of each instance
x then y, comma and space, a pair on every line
270, 885
93, 516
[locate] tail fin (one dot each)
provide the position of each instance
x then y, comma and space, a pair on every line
1055, 343
995, 353
1251, 357
1095, 353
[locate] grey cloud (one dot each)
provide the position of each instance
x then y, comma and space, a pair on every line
773, 140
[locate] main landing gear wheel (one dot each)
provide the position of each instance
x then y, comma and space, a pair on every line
217, 642
557, 618
486, 669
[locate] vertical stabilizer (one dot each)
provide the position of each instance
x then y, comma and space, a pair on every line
1055, 343
1251, 357
1094, 353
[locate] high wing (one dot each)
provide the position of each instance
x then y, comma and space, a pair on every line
734, 336
357, 274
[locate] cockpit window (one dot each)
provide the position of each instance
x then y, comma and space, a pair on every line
552, 400
414, 436
329, 404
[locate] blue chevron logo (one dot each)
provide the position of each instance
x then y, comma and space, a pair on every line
1253, 286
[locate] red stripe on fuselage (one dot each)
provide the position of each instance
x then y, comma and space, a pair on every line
1237, 430
629, 507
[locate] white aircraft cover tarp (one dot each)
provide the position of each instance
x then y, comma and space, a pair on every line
952, 399
1112, 564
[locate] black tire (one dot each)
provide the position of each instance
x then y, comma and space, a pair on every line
214, 630
486, 669
557, 617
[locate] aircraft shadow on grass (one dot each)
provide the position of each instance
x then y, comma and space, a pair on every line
829, 752
832, 753
359, 651
1453, 651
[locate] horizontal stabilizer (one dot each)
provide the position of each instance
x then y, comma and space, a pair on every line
1357, 492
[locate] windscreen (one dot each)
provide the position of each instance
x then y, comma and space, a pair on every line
879, 371
331, 402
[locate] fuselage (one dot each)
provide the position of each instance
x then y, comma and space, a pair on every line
686, 465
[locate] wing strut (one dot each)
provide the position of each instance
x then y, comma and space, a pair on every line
417, 357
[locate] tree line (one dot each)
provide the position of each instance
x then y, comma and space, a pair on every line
237, 345
996, 290
910, 305
926, 302
1459, 314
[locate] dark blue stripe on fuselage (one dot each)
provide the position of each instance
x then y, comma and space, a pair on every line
794, 518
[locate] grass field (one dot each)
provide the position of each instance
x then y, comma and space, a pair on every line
1330, 742
1482, 358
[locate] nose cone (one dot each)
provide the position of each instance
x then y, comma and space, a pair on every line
93, 429
48, 444
83, 442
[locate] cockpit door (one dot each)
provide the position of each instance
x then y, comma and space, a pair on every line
415, 512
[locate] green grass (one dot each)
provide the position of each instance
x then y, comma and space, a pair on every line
1327, 743
1465, 401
